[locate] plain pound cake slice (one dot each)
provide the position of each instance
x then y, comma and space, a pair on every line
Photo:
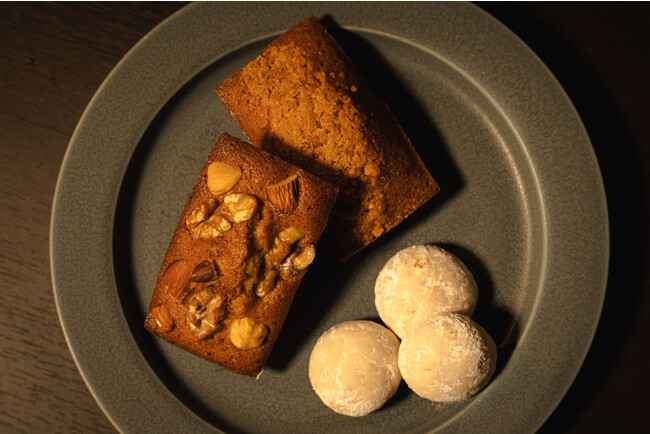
303, 100
242, 244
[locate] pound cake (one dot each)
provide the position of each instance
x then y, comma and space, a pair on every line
303, 100
244, 240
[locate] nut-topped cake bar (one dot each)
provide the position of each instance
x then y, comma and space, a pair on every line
246, 237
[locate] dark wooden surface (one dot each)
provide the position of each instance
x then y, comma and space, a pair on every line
53, 57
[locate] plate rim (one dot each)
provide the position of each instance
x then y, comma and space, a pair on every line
151, 38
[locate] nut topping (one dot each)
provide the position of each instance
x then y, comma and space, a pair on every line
200, 213
246, 333
283, 195
239, 207
297, 262
213, 227
267, 283
278, 252
303, 259
176, 278
291, 234
222, 177
282, 245
199, 300
287, 271
206, 310
163, 318
204, 272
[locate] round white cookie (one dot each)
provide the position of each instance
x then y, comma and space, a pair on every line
447, 358
353, 367
421, 281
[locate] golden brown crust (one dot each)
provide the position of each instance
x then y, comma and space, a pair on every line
233, 256
304, 100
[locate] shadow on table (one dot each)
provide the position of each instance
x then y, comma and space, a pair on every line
623, 182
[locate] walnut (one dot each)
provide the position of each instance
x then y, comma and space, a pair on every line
282, 245
206, 311
247, 333
200, 213
304, 258
297, 262
278, 252
239, 207
213, 227
266, 284
291, 234
273, 260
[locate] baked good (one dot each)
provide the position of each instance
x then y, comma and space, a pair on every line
242, 244
353, 367
420, 281
303, 100
447, 358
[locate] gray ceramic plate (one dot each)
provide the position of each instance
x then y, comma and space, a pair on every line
522, 204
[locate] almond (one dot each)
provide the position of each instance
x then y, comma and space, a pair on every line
204, 272
176, 278
163, 318
283, 195
222, 177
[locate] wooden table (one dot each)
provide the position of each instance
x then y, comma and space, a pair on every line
55, 56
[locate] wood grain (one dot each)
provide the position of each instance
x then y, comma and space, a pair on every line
53, 57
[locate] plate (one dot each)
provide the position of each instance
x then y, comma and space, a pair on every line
522, 204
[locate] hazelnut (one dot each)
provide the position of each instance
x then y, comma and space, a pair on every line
247, 333
239, 207
222, 177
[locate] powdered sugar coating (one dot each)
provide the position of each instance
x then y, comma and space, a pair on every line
447, 358
421, 281
353, 367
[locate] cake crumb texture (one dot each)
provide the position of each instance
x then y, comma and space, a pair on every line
303, 100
